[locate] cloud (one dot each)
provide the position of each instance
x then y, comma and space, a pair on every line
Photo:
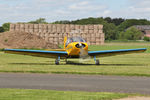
140, 6
138, 9
86, 6
52, 10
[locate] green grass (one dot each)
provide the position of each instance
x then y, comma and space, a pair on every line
127, 65
126, 45
23, 94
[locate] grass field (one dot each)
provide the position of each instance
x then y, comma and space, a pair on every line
127, 65
22, 94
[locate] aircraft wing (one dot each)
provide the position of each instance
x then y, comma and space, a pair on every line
106, 53
38, 53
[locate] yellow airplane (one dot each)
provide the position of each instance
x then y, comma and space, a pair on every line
74, 47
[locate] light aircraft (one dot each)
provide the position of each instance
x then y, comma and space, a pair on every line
74, 47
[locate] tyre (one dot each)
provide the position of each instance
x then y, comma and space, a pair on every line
56, 62
97, 62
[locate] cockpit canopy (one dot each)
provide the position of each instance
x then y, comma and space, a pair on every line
74, 39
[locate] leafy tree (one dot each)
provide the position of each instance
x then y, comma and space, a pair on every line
108, 19
6, 26
89, 20
116, 21
62, 22
110, 31
39, 21
1, 29
131, 34
130, 22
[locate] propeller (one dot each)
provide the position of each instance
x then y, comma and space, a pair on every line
83, 54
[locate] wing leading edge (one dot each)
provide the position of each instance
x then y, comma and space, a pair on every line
106, 53
38, 53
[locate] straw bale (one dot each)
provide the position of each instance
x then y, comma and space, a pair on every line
93, 35
26, 26
55, 39
60, 35
77, 27
68, 28
86, 27
72, 27
98, 34
91, 31
54, 28
17, 26
81, 27
49, 26
93, 39
92, 43
45, 30
22, 26
41, 26
100, 31
100, 27
36, 30
98, 43
36, 26
12, 26
58, 28
22, 29
96, 27
31, 26
91, 27
45, 26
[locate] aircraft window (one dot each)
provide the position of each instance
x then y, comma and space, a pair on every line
74, 39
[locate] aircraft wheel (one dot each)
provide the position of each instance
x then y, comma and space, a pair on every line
66, 61
97, 62
57, 62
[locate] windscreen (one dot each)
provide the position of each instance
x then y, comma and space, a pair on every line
74, 39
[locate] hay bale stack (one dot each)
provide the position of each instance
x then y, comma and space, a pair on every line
52, 32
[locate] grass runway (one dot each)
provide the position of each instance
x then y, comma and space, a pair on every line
23, 94
137, 64
125, 65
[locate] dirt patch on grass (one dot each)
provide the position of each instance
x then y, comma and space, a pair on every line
136, 98
18, 39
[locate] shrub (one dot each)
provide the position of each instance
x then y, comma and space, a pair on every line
146, 38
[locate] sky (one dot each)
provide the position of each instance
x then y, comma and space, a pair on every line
55, 10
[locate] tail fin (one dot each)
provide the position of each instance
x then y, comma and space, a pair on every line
65, 40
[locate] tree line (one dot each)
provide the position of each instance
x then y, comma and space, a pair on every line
114, 28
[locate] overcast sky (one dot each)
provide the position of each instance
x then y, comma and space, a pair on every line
53, 10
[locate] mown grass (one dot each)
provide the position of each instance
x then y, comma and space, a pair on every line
127, 65
23, 94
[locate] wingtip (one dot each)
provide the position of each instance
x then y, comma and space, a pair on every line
144, 49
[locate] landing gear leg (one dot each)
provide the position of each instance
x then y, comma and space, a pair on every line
96, 60
57, 60
66, 61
